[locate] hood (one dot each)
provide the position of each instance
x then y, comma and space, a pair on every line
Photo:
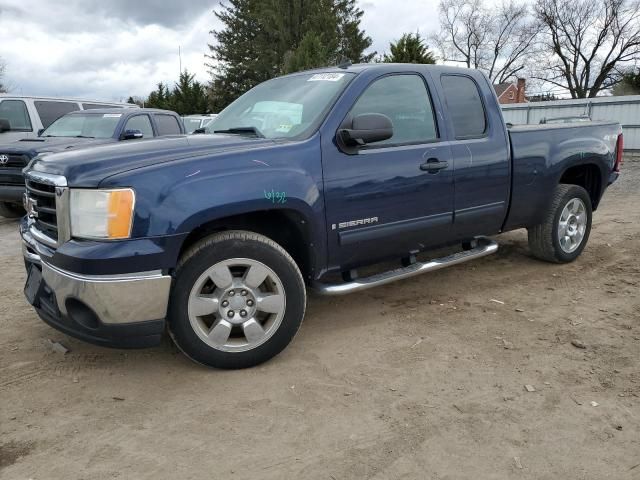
41, 145
86, 167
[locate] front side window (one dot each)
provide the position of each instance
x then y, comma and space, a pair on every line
168, 125
84, 125
15, 112
142, 123
285, 107
464, 105
51, 111
405, 100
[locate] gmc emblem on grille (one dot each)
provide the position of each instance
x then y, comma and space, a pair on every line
4, 159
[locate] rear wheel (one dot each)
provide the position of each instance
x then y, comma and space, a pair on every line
237, 301
564, 233
11, 210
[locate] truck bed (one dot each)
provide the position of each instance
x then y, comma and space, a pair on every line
541, 154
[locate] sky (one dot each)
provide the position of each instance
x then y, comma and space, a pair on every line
109, 50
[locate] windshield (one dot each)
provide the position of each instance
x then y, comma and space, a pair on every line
284, 107
90, 125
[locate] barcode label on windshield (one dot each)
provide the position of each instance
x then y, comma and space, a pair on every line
112, 115
326, 77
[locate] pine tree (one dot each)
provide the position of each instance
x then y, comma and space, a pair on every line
409, 49
311, 53
237, 63
160, 98
188, 96
352, 40
265, 38
629, 85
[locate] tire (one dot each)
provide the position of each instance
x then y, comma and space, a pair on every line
221, 314
11, 210
544, 240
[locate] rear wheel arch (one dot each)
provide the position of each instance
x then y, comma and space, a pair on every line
588, 176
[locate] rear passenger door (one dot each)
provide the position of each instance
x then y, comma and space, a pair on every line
480, 155
382, 201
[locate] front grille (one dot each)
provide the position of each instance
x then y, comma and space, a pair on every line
15, 160
43, 198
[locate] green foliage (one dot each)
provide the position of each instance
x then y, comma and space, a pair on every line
311, 53
187, 97
159, 98
136, 101
265, 38
629, 85
409, 49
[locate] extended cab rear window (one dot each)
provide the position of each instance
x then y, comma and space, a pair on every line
167, 125
464, 106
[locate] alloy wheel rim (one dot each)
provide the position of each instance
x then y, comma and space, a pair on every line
236, 305
572, 225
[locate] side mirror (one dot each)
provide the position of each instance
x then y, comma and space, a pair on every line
199, 130
366, 128
40, 131
5, 126
131, 135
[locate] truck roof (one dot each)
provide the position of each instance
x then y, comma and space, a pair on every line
386, 67
66, 99
117, 110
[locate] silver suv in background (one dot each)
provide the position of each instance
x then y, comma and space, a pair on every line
23, 117
195, 122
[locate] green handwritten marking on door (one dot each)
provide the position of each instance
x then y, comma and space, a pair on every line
275, 197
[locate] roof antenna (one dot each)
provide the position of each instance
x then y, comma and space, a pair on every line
344, 63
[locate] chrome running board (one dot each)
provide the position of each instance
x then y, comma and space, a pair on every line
483, 248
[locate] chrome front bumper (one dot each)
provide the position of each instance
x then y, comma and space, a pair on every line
115, 299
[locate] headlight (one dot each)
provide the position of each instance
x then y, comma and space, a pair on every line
101, 214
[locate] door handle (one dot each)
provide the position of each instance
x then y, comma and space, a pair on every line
433, 165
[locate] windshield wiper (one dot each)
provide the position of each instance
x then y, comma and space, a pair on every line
83, 136
241, 130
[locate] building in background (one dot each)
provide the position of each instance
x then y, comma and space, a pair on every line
509, 92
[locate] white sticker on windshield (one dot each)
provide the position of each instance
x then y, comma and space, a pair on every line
112, 115
326, 77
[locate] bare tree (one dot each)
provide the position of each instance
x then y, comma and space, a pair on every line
588, 42
497, 40
3, 88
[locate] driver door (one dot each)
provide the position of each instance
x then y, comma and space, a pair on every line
382, 202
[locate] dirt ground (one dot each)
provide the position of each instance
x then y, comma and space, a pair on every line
423, 379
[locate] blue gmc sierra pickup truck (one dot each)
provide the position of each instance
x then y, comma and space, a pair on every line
298, 183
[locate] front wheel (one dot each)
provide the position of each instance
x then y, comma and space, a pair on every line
564, 233
237, 301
